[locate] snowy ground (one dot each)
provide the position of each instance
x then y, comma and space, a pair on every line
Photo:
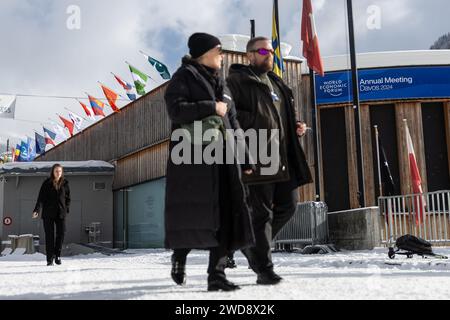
144, 274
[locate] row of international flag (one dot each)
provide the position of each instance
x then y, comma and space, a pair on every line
30, 148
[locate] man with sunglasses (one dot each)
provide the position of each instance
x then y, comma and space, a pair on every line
264, 101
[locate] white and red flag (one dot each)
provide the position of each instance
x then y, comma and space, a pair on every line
311, 50
416, 180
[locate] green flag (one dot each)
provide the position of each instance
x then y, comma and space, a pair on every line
140, 80
159, 66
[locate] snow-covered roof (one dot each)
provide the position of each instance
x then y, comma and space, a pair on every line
387, 59
70, 167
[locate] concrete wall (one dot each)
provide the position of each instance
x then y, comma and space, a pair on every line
357, 229
87, 205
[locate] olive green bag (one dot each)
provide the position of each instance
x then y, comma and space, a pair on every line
212, 123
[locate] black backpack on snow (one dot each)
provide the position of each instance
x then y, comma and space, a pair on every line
409, 245
414, 245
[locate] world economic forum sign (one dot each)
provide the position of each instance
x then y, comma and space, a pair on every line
384, 84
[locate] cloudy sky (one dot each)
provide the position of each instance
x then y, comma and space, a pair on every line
41, 56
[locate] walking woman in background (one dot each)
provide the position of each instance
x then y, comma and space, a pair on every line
54, 200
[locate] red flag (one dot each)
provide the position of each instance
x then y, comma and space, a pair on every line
112, 98
86, 110
416, 180
311, 50
68, 124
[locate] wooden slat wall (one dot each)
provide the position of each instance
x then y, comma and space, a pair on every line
366, 135
307, 192
411, 111
321, 177
301, 88
352, 157
138, 125
142, 166
369, 181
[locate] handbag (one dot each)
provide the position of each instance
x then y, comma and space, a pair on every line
213, 124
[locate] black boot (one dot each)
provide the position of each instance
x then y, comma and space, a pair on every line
231, 264
221, 284
268, 277
49, 261
58, 260
178, 272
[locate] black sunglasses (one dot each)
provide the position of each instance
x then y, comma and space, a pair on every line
264, 52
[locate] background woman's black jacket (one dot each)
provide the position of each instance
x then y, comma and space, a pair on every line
54, 203
192, 190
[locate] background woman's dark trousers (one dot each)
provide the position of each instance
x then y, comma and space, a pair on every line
53, 245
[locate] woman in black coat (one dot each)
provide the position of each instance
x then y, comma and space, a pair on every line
206, 205
54, 200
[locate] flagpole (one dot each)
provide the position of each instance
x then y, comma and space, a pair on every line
316, 134
411, 223
277, 22
143, 53
405, 125
252, 29
380, 188
356, 107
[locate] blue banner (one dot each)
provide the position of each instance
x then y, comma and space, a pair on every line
384, 84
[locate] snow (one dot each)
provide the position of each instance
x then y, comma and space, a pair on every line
145, 274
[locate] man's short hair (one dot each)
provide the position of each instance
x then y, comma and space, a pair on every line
253, 41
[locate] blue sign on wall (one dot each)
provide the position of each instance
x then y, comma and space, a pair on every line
385, 84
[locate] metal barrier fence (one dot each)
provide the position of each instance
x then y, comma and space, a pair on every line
422, 215
308, 226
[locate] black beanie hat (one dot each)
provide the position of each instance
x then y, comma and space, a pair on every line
200, 43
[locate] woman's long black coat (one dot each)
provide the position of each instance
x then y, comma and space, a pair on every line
54, 203
192, 191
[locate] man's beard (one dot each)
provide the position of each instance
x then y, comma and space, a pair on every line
263, 67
